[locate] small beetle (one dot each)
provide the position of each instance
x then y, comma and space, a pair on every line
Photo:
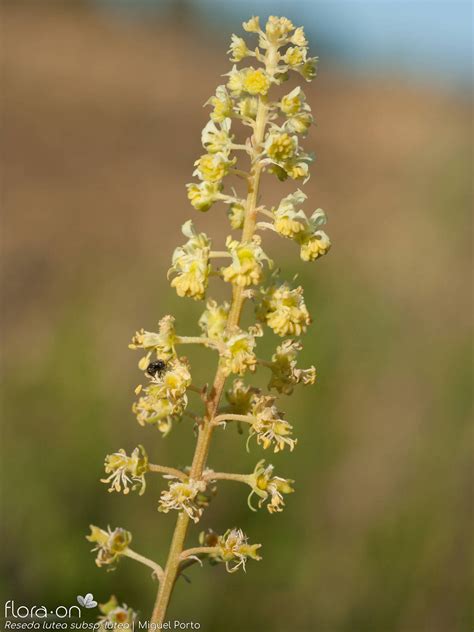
157, 368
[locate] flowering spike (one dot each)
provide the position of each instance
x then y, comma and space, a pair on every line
276, 124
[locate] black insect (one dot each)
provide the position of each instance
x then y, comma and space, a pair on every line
156, 368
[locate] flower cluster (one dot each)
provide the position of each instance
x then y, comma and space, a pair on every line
161, 343
285, 373
203, 195
269, 488
268, 426
110, 545
190, 264
283, 309
233, 549
239, 355
306, 232
281, 48
184, 496
247, 262
265, 421
213, 320
125, 471
212, 168
240, 397
284, 155
297, 112
164, 399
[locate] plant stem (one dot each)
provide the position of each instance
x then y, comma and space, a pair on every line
205, 431
157, 570
231, 417
171, 569
228, 476
198, 550
200, 340
163, 469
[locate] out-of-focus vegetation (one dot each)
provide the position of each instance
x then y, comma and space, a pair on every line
101, 127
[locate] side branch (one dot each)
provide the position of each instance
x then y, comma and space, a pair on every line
170, 471
157, 569
198, 550
221, 419
228, 476
201, 340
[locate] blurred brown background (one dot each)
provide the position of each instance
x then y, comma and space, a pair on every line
101, 125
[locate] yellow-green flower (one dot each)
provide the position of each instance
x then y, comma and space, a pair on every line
252, 25
305, 231
216, 138
269, 426
293, 102
162, 343
202, 195
285, 373
297, 111
190, 264
238, 49
283, 309
222, 104
110, 545
269, 487
183, 496
298, 168
235, 82
214, 319
164, 399
247, 262
308, 69
233, 549
240, 397
298, 38
290, 222
236, 215
314, 246
125, 471
247, 107
213, 167
255, 81
277, 29
295, 56
299, 123
280, 147
239, 355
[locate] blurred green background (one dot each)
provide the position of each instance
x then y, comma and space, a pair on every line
101, 125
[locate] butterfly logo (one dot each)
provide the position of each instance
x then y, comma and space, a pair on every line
87, 601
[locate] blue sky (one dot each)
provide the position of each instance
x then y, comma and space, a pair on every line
426, 40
